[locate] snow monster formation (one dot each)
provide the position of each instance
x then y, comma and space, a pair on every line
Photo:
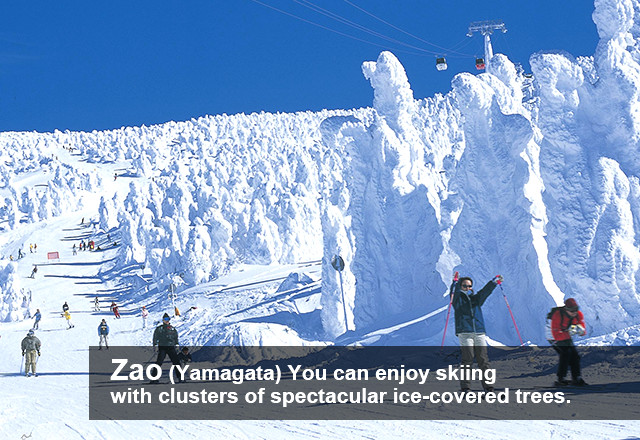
543, 190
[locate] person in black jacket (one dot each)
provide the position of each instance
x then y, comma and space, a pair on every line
166, 338
467, 306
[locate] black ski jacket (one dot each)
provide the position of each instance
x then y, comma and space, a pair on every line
165, 336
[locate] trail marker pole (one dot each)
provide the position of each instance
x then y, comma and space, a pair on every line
338, 264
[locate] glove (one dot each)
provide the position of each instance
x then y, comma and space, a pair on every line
38, 353
498, 279
23, 353
577, 330
455, 276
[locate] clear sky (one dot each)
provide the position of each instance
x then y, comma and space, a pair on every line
85, 65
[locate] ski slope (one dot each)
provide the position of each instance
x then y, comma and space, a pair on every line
243, 307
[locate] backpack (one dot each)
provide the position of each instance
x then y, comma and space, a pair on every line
548, 332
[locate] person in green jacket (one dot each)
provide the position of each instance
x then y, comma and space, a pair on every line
30, 347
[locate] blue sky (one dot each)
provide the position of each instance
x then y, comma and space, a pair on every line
82, 65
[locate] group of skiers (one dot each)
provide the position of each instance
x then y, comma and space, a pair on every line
83, 246
165, 337
469, 324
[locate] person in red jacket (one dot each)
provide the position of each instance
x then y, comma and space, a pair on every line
565, 322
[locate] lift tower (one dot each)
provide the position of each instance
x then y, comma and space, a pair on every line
486, 28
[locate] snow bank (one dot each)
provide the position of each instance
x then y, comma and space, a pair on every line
14, 302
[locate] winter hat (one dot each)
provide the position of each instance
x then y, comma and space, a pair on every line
166, 317
571, 305
30, 333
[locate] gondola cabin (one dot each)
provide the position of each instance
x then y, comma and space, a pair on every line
441, 63
480, 63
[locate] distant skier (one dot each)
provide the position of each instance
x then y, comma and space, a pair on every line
75, 250
114, 309
67, 316
166, 338
96, 304
103, 332
37, 316
35, 247
20, 254
31, 248
30, 347
65, 307
470, 323
184, 356
145, 315
566, 321
34, 271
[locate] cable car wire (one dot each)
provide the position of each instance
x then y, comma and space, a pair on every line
337, 32
403, 31
334, 16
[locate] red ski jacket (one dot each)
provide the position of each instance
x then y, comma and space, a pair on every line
561, 321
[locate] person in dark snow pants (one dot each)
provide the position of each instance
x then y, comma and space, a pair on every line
103, 332
470, 330
165, 337
563, 321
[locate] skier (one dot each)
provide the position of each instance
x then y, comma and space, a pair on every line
166, 338
96, 304
103, 332
31, 248
67, 316
565, 321
20, 254
37, 322
75, 250
114, 309
145, 315
30, 346
34, 271
470, 324
65, 307
184, 356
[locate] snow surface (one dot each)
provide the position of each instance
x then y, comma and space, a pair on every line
242, 215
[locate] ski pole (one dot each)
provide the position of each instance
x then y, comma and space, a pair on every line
446, 323
21, 364
511, 313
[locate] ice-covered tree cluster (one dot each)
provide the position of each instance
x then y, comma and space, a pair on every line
222, 190
544, 191
535, 177
27, 200
14, 305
